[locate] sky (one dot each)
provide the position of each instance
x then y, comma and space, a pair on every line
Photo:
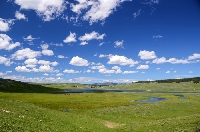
94, 41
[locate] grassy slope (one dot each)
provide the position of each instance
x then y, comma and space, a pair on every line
19, 116
100, 111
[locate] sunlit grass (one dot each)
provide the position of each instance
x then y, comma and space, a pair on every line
102, 111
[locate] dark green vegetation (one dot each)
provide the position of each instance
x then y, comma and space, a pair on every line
31, 107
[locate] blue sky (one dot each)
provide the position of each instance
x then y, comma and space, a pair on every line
87, 41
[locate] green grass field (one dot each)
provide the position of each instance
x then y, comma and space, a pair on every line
91, 112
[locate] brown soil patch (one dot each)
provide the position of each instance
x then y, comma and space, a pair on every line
109, 124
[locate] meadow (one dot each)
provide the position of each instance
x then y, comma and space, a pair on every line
49, 110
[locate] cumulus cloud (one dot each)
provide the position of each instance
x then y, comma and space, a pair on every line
45, 50
104, 56
59, 74
2, 74
78, 61
70, 71
31, 62
194, 56
5, 24
177, 61
146, 55
25, 53
97, 10
91, 36
29, 38
6, 42
167, 72
22, 69
46, 9
143, 67
45, 74
5, 61
61, 56
119, 44
130, 72
100, 66
121, 60
20, 16
70, 38
83, 43
159, 60
44, 68
102, 69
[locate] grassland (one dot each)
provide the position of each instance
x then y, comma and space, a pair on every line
91, 112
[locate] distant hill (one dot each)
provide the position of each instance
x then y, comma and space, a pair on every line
194, 80
104, 84
7, 85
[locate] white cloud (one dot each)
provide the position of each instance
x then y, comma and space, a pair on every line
22, 69
119, 44
106, 71
70, 38
101, 66
20, 16
59, 74
88, 71
83, 43
154, 1
145, 55
167, 72
121, 60
44, 68
45, 74
116, 67
5, 24
58, 44
177, 61
54, 63
5, 61
25, 53
61, 56
2, 74
157, 68
6, 42
92, 35
44, 62
46, 9
171, 60
143, 67
104, 56
98, 10
70, 71
137, 13
44, 46
31, 62
82, 4
194, 56
130, 72
45, 50
78, 61
159, 60
29, 38
157, 36
101, 44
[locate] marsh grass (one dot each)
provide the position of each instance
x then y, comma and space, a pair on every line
102, 111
